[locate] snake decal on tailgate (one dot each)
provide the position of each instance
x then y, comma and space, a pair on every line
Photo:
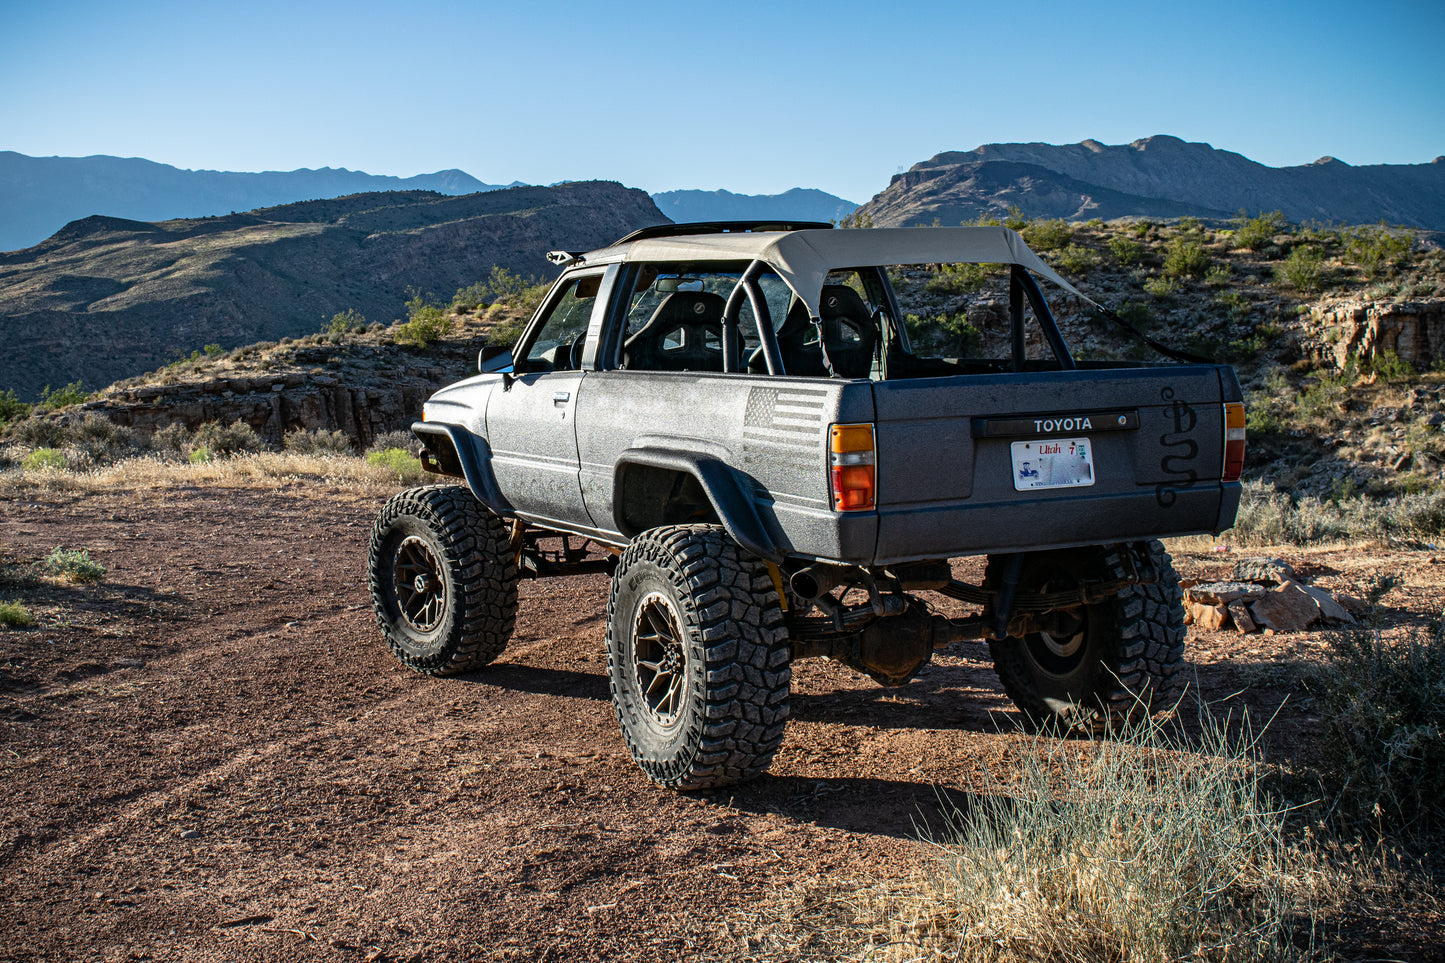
1180, 420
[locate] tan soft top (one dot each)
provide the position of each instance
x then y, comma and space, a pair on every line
804, 258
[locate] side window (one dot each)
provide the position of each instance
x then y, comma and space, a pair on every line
558, 345
674, 318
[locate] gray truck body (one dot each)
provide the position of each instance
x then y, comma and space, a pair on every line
587, 450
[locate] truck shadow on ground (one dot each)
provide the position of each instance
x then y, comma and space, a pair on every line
888, 807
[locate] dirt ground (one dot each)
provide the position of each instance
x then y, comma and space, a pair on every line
211, 756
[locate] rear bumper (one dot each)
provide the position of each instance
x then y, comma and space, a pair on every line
915, 533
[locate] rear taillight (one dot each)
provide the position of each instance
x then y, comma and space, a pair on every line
852, 467
1233, 440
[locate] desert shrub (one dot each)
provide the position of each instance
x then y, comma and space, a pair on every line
1389, 366
1186, 258
15, 615
403, 440
1126, 250
1077, 259
1374, 248
1015, 220
73, 565
426, 322
100, 441
174, 438
344, 321
1257, 233
1302, 270
72, 394
1147, 847
1161, 287
37, 431
318, 441
218, 439
406, 465
43, 459
1382, 701
199, 456
1048, 235
959, 278
12, 408
949, 335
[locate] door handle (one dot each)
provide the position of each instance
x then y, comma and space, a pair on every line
561, 397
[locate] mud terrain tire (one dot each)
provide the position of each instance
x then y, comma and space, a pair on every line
1106, 663
443, 580
698, 659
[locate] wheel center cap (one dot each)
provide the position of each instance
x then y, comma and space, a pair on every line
420, 583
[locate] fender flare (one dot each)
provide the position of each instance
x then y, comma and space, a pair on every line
734, 506
473, 457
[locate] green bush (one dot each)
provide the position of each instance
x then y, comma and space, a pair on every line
344, 321
74, 565
1303, 269
72, 394
1186, 258
427, 322
959, 278
1163, 287
218, 439
1391, 367
318, 442
199, 456
1257, 233
44, 459
943, 335
1126, 250
12, 408
406, 465
1048, 235
1077, 259
1382, 702
1375, 248
15, 615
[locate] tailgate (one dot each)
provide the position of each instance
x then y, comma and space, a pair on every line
989, 463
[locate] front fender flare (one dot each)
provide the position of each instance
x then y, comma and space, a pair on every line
474, 456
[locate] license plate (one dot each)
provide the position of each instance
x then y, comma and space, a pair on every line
1052, 463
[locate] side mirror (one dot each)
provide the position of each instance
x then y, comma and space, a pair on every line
495, 357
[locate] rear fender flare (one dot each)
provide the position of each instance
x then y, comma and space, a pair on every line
729, 495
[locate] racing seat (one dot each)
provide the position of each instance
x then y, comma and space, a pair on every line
683, 334
849, 333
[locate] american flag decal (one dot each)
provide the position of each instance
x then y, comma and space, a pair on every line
785, 419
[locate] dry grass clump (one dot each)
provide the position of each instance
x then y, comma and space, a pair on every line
266, 469
1268, 516
1382, 701
1147, 847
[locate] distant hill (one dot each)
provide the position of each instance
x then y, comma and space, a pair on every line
1158, 176
40, 194
107, 298
802, 204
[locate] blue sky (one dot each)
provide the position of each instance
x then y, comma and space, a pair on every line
752, 97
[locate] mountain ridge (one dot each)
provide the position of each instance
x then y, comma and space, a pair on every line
106, 297
37, 194
1178, 177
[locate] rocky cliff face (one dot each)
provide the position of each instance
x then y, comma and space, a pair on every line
363, 386
1156, 177
1413, 331
107, 298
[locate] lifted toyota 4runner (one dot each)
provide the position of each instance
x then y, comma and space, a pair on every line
732, 422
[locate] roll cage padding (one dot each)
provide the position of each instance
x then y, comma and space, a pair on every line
472, 455
733, 506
